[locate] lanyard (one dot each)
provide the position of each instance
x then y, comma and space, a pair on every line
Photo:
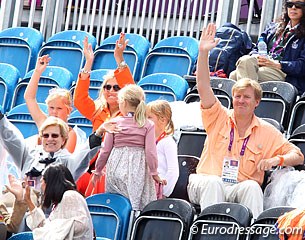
243, 148
161, 137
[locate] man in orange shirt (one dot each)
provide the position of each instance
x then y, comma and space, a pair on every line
239, 147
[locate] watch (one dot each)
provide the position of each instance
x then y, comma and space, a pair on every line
122, 64
85, 71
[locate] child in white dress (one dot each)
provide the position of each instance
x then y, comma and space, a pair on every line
130, 151
160, 113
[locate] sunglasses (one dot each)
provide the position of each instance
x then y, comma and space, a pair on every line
115, 88
53, 135
297, 5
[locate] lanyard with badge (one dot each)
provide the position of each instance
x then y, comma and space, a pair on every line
230, 165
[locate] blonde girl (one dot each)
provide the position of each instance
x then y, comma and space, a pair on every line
160, 113
130, 151
59, 102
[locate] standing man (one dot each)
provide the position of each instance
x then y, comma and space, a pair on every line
239, 147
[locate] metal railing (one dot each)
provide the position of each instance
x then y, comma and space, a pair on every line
154, 19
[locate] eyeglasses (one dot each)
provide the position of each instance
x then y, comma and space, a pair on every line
53, 135
114, 87
297, 5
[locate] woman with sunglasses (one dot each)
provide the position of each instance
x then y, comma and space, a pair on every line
286, 50
59, 102
32, 159
106, 106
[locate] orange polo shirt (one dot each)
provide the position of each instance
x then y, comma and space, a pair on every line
264, 142
86, 105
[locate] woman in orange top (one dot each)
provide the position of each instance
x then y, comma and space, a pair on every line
106, 106
59, 102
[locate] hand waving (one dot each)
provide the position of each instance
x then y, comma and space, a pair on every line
207, 39
42, 63
88, 51
120, 46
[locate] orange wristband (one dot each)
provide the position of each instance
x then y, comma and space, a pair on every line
281, 163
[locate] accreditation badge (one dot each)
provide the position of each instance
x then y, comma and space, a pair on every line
230, 170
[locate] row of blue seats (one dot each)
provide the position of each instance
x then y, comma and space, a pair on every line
174, 218
278, 96
174, 54
170, 87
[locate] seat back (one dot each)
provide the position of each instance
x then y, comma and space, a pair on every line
298, 139
22, 119
168, 218
187, 166
76, 118
280, 97
110, 215
66, 49
297, 115
263, 227
134, 54
222, 88
191, 143
230, 219
22, 236
19, 47
172, 55
189, 44
9, 76
275, 123
52, 77
165, 86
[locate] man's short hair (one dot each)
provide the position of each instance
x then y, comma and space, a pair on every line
247, 82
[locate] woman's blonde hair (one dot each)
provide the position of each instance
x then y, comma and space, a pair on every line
135, 97
61, 93
54, 121
162, 109
243, 83
101, 102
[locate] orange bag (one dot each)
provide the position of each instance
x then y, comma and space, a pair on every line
98, 188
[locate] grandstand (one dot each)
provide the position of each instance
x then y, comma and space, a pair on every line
61, 26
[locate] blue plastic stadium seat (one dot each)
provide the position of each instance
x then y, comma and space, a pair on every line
76, 118
19, 47
134, 54
9, 76
96, 80
52, 77
22, 236
167, 86
66, 49
172, 55
22, 119
110, 215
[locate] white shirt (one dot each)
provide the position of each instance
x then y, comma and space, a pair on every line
168, 167
70, 219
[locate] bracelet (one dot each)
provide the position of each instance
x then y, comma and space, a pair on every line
122, 65
281, 163
85, 71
